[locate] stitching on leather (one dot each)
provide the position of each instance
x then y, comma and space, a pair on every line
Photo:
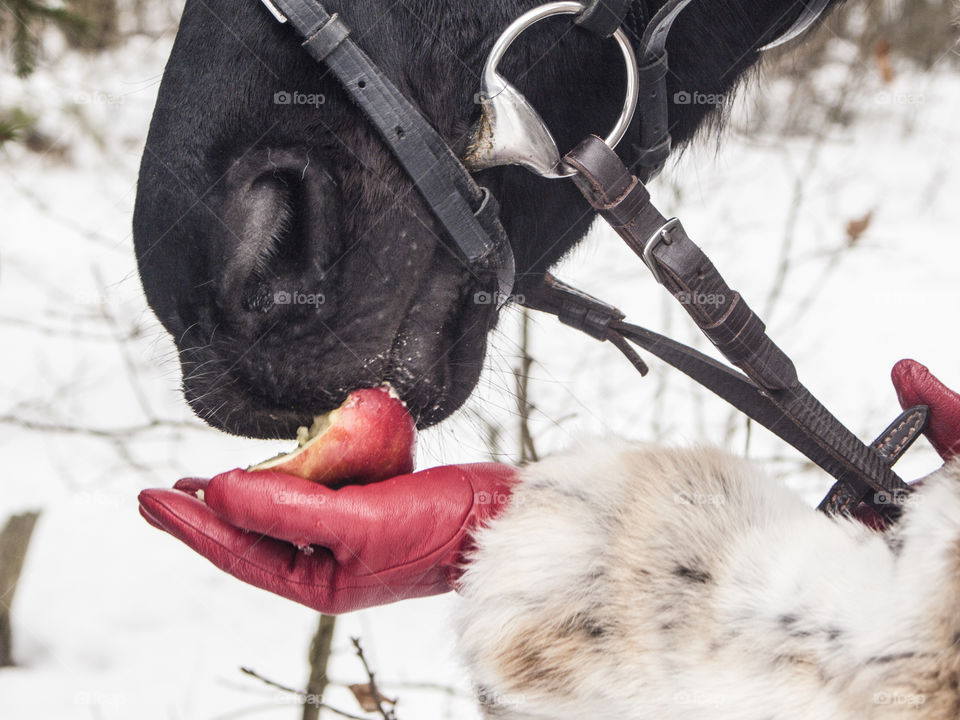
613, 203
915, 419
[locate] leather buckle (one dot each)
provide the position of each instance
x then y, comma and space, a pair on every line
660, 236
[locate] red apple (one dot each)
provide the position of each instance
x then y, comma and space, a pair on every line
371, 437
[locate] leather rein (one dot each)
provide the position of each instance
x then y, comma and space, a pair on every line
766, 387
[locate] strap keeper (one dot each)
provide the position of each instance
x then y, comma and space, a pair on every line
603, 17
654, 72
327, 39
654, 158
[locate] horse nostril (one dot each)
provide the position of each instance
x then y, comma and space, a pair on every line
285, 241
282, 212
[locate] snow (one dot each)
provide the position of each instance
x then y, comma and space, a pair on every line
114, 619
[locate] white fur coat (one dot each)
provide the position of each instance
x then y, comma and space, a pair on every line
638, 582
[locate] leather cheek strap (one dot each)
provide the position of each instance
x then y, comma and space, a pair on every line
327, 39
777, 396
466, 211
682, 266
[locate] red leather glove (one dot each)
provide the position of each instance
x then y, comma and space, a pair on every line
916, 385
360, 546
335, 550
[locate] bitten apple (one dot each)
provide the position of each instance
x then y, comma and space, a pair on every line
371, 437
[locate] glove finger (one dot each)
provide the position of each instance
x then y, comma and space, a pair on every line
916, 385
192, 486
368, 528
264, 562
313, 579
276, 504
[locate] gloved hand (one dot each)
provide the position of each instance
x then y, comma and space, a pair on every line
366, 545
916, 385
335, 550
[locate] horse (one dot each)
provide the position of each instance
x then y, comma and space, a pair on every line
291, 258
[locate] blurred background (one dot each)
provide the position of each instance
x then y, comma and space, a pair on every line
831, 201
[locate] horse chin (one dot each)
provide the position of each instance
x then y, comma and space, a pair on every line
435, 365
280, 384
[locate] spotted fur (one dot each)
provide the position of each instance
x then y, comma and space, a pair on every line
641, 582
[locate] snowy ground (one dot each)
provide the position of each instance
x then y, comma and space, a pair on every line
115, 620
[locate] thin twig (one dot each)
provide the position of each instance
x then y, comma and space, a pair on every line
374, 690
107, 433
299, 693
133, 374
528, 449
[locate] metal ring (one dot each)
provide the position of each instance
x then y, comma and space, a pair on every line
532, 17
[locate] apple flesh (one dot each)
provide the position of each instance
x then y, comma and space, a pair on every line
371, 437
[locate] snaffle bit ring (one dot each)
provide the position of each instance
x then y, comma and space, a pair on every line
511, 131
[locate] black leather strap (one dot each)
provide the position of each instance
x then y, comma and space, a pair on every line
467, 212
655, 142
605, 322
891, 445
327, 39
603, 17
769, 391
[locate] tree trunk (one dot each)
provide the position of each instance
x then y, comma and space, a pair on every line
319, 658
14, 541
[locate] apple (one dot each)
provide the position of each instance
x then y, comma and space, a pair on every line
371, 437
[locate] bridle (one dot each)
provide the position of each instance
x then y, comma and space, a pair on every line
468, 213
767, 388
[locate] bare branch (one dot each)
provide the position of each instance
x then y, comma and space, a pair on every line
305, 697
319, 659
374, 690
528, 450
106, 433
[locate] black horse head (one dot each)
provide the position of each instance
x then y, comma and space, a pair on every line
291, 258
